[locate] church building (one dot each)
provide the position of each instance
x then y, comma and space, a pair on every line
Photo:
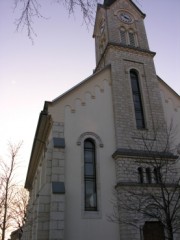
98, 142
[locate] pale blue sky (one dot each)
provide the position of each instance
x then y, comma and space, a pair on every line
63, 54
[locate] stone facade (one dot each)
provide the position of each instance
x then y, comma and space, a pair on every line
46, 206
101, 108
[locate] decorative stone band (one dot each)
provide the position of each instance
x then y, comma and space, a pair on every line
143, 154
145, 185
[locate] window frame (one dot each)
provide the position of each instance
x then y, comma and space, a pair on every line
99, 146
90, 178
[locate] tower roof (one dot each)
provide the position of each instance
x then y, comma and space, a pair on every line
108, 3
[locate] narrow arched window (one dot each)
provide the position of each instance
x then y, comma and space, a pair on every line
140, 123
157, 175
140, 175
148, 175
90, 190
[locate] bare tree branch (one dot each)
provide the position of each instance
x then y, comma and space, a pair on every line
8, 195
158, 199
31, 9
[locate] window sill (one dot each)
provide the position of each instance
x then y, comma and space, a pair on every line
91, 214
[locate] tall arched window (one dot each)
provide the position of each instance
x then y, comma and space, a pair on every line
140, 123
90, 189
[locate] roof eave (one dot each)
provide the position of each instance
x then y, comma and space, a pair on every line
43, 128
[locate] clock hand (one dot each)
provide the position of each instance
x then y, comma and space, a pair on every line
125, 16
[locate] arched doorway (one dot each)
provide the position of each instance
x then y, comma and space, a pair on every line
153, 231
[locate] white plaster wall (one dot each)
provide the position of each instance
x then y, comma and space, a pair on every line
95, 116
171, 105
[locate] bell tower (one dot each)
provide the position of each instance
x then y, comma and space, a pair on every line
139, 123
119, 23
121, 41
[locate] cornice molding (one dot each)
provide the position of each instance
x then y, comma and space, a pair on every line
134, 153
124, 48
42, 131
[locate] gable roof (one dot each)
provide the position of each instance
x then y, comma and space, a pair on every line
168, 88
85, 81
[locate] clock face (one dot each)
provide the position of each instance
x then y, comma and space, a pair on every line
126, 17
